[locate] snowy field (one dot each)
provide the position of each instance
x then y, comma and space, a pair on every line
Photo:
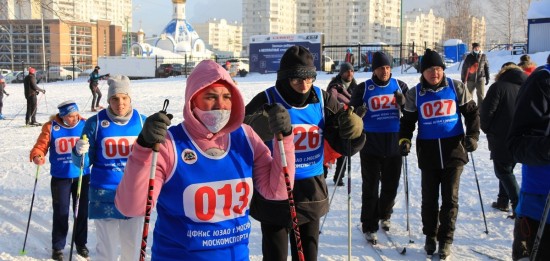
17, 176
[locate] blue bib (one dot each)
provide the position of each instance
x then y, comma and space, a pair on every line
438, 115
203, 207
114, 143
62, 141
383, 113
308, 123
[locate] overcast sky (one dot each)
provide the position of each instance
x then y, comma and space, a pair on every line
153, 15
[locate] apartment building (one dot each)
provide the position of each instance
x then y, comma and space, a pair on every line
221, 36
424, 29
73, 31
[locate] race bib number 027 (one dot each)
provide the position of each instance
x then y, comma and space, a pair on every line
439, 108
117, 147
217, 201
382, 102
64, 145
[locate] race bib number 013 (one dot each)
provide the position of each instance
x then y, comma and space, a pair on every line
217, 201
64, 145
117, 147
439, 108
382, 102
307, 137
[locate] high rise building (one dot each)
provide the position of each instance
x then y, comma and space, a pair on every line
221, 36
424, 29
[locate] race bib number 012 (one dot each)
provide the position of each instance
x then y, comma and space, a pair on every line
117, 147
439, 108
217, 201
382, 102
64, 145
307, 137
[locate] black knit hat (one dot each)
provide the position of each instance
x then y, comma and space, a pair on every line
379, 59
344, 67
431, 58
474, 45
297, 62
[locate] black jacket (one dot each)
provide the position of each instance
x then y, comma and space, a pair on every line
445, 152
379, 144
482, 70
336, 88
529, 135
310, 194
497, 110
29, 84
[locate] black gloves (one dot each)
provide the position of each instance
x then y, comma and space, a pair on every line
405, 146
487, 80
154, 129
399, 98
279, 119
470, 144
361, 111
350, 125
274, 118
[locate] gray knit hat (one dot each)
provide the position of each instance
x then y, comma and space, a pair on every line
118, 84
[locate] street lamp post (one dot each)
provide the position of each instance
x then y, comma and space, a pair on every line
127, 38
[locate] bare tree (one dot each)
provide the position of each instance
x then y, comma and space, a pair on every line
510, 19
456, 12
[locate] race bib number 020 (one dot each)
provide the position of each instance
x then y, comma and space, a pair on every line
64, 145
439, 108
217, 201
382, 102
117, 147
307, 137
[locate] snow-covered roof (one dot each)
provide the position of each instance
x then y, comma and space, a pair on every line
539, 9
452, 42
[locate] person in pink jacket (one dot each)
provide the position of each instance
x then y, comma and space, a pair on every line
207, 170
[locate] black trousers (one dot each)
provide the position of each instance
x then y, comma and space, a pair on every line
62, 190
378, 172
96, 95
275, 242
448, 180
525, 232
30, 116
339, 166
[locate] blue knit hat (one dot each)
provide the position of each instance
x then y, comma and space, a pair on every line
67, 107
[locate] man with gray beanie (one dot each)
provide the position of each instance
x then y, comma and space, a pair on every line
111, 134
315, 116
440, 105
341, 87
380, 158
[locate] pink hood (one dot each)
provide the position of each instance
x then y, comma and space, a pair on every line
206, 73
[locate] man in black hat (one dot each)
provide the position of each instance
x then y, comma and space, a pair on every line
380, 157
475, 72
96, 92
438, 104
341, 87
315, 115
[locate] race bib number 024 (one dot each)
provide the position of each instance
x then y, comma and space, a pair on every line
382, 102
217, 201
439, 108
117, 147
64, 145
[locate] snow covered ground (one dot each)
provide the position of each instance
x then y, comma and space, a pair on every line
17, 176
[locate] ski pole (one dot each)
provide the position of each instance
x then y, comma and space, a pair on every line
77, 201
406, 187
349, 199
150, 192
30, 212
479, 192
543, 220
19, 112
293, 215
334, 192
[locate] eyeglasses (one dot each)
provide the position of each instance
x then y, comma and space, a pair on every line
299, 80
433, 69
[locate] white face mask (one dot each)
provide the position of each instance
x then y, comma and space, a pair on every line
213, 120
476, 52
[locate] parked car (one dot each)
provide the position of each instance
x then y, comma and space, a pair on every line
189, 67
169, 69
328, 64
63, 73
240, 64
14, 77
3, 72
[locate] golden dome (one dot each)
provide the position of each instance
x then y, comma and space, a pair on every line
178, 1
